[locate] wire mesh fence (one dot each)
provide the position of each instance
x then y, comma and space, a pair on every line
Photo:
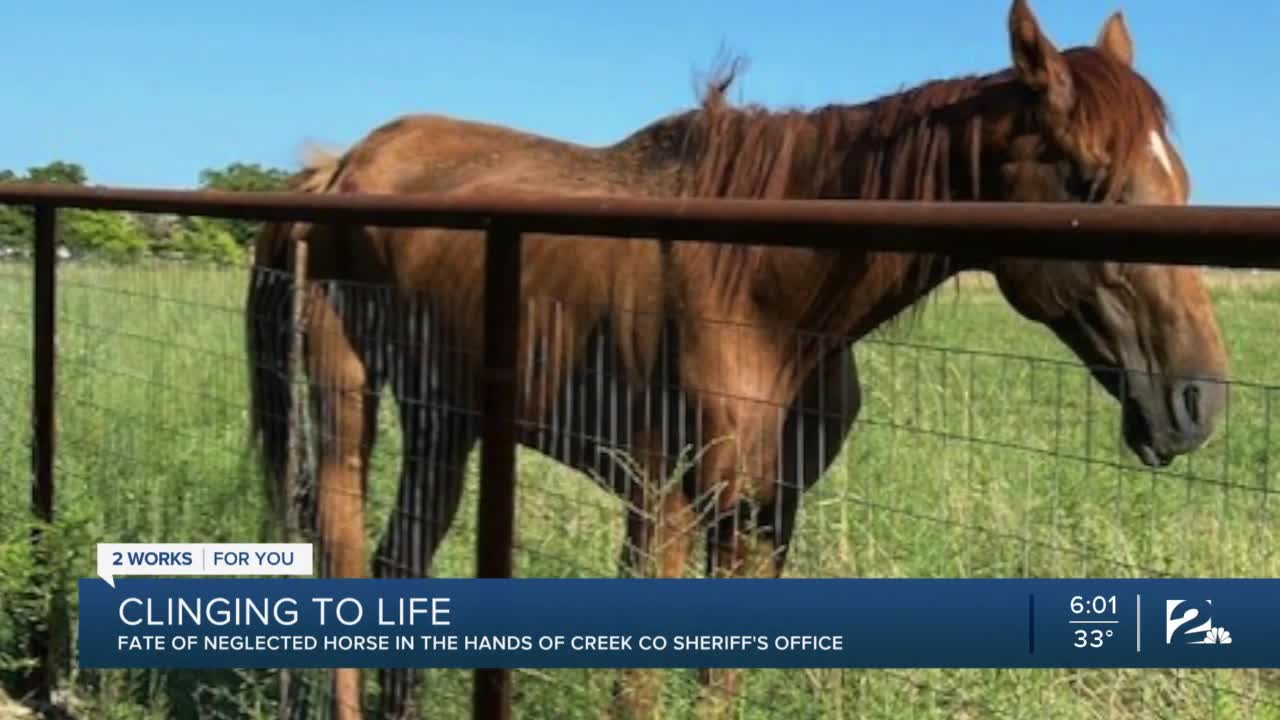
22, 599
982, 449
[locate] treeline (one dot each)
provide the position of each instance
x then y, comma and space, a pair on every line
126, 237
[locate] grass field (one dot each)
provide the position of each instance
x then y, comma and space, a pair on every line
982, 451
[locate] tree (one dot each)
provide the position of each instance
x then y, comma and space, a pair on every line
204, 238
243, 177
124, 237
58, 172
111, 235
15, 228
15, 222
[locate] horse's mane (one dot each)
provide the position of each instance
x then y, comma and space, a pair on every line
318, 166
897, 147
902, 140
901, 146
753, 152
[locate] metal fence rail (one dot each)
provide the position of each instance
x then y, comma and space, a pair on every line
1219, 236
1241, 236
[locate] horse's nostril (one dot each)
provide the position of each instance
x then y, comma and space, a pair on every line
1191, 400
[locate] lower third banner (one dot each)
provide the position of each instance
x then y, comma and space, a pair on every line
528, 623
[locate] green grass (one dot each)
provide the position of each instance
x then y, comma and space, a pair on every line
971, 459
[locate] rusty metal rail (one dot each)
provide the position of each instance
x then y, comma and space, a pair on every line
1247, 237
1188, 235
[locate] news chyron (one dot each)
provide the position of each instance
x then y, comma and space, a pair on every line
202, 605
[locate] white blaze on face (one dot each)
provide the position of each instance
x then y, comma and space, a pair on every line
1161, 151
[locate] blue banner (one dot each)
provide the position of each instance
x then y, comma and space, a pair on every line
615, 623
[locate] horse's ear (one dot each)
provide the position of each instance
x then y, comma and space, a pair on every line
1038, 62
1115, 38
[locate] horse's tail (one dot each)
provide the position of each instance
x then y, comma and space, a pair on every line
269, 331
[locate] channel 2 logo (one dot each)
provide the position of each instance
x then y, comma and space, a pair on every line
1192, 624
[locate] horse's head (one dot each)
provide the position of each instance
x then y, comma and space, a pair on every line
1091, 129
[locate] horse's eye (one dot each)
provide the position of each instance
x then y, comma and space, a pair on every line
1077, 185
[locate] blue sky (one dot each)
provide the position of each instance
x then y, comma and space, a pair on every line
148, 93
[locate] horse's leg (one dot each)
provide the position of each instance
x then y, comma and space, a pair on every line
816, 429
661, 525
659, 542
438, 436
754, 540
345, 405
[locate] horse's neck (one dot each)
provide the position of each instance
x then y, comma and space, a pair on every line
934, 159
850, 294
802, 305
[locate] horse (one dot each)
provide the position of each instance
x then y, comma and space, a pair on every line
649, 347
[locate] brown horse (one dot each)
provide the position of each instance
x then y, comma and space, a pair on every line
741, 352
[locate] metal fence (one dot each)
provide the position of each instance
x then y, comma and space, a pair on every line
1222, 237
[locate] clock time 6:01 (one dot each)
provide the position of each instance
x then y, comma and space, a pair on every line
1097, 605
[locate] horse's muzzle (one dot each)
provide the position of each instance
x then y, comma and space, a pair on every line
1172, 419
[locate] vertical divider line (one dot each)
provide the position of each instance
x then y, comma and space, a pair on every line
1031, 623
1139, 622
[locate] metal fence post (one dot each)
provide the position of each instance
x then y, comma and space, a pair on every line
495, 526
40, 681
291, 520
